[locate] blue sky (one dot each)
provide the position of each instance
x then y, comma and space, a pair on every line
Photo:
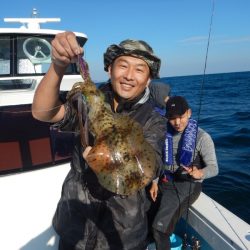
176, 29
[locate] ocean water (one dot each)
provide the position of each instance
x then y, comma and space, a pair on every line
221, 104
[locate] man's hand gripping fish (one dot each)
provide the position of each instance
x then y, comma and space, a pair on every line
122, 159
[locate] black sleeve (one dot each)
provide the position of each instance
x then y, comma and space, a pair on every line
154, 132
70, 121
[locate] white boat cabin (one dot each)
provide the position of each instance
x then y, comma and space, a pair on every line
31, 155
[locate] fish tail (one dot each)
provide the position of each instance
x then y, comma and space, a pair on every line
83, 67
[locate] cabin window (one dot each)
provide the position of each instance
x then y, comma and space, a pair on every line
27, 55
5, 55
14, 84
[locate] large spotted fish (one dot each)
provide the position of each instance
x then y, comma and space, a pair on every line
122, 159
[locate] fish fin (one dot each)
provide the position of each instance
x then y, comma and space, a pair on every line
80, 108
83, 121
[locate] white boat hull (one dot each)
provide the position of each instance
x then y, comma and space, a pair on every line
28, 203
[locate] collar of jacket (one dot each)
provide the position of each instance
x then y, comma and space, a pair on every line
124, 105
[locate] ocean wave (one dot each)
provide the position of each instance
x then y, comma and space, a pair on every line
242, 115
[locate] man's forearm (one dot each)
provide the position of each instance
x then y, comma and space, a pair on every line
46, 104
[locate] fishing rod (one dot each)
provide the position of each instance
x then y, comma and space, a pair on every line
196, 243
205, 64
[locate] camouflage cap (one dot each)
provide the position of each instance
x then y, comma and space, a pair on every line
135, 48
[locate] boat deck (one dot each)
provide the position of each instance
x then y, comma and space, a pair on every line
28, 202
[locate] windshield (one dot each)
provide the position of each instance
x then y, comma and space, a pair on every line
22, 55
26, 55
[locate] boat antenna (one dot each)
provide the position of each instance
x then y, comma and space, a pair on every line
34, 13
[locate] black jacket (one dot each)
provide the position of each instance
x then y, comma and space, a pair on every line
89, 216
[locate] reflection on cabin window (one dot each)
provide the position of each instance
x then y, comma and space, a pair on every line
4, 55
33, 55
14, 84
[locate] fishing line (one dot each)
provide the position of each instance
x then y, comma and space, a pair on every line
228, 223
29, 111
198, 119
200, 104
205, 65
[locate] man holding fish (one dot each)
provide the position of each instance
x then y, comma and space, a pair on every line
91, 215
